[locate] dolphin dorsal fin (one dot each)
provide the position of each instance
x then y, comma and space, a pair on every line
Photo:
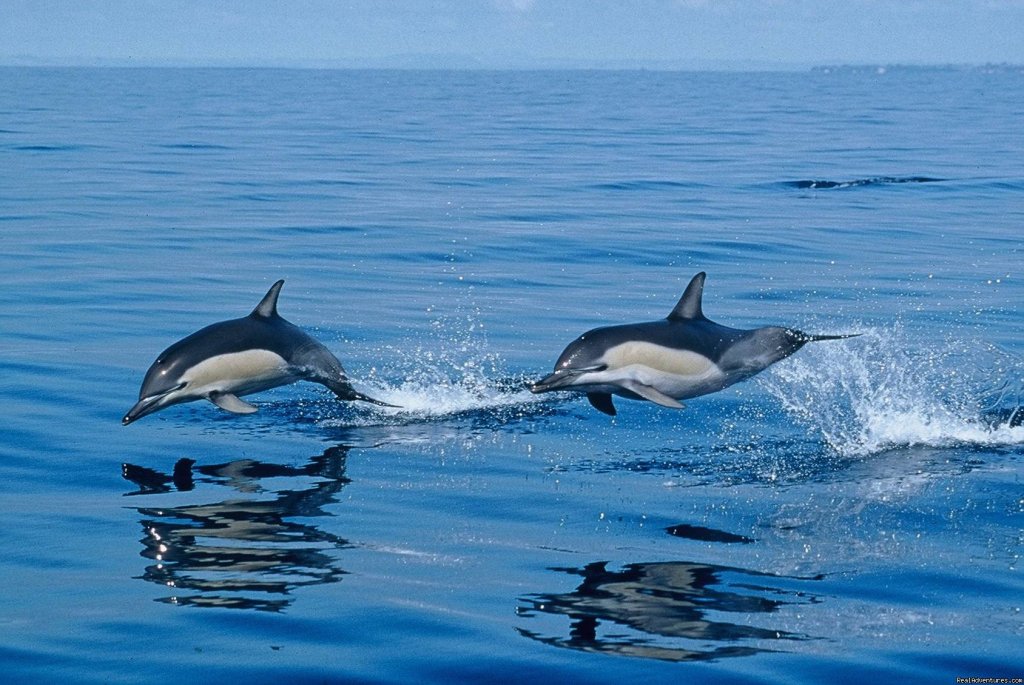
267, 308
689, 305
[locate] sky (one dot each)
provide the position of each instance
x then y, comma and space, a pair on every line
512, 33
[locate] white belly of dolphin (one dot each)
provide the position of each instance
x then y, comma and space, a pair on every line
666, 359
677, 373
238, 373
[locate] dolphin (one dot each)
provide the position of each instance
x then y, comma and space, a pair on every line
684, 355
240, 357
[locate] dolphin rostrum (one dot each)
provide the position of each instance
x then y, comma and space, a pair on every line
240, 357
684, 355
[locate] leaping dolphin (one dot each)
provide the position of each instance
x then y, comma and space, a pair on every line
684, 355
240, 357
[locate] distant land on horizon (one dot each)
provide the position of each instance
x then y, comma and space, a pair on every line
465, 62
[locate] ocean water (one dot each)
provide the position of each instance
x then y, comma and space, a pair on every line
856, 511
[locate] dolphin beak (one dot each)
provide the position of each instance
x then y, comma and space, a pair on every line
550, 382
147, 405
560, 379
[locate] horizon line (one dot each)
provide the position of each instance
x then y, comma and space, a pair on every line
439, 62
540, 66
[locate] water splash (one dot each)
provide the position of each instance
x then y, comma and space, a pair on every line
451, 375
426, 393
878, 392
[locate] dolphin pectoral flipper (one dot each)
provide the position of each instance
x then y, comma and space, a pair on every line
602, 402
231, 403
653, 394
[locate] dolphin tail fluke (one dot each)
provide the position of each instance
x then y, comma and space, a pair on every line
366, 398
346, 392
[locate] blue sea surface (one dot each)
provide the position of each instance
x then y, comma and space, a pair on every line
854, 512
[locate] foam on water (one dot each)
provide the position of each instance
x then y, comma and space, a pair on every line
415, 398
880, 392
452, 375
421, 395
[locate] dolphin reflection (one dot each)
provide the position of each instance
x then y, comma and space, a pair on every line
245, 551
671, 611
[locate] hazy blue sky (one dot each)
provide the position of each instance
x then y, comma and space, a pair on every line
513, 32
